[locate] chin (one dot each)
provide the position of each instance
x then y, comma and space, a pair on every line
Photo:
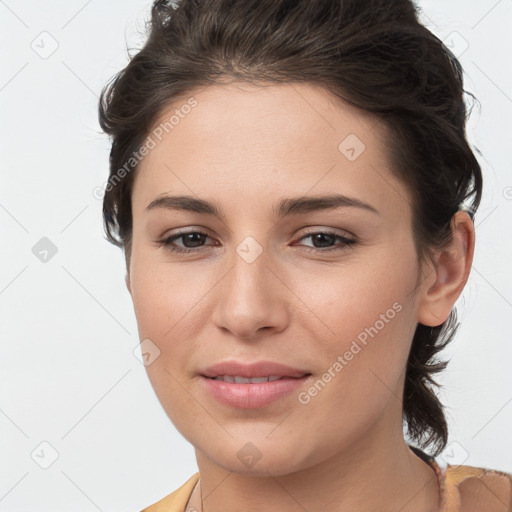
276, 466
259, 458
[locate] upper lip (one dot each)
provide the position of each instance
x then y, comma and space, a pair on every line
257, 369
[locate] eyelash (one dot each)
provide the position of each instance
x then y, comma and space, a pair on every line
346, 242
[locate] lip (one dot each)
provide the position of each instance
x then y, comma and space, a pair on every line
252, 395
258, 369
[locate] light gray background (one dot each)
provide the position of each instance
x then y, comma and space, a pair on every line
69, 376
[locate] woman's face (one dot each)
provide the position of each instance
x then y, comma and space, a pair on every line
259, 286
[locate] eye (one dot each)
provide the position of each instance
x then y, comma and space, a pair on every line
324, 238
188, 237
193, 241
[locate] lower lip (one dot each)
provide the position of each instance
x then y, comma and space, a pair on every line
252, 396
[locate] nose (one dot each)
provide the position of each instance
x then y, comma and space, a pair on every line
251, 300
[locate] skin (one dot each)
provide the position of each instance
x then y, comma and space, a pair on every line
246, 147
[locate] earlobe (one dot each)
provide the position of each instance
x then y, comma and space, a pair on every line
451, 272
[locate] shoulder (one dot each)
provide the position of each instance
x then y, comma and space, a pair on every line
177, 500
474, 489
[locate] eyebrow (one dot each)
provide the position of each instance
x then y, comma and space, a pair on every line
284, 208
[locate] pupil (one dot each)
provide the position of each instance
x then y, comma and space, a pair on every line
319, 236
189, 237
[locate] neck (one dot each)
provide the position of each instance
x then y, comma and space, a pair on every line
371, 474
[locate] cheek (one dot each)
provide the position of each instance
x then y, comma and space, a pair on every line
164, 305
165, 297
348, 302
368, 317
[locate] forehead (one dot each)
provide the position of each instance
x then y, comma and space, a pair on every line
256, 143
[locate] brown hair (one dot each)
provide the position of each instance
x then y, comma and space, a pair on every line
374, 54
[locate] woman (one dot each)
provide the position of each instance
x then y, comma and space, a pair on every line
294, 192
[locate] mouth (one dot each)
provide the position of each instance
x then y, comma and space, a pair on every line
252, 380
252, 385
230, 369
240, 392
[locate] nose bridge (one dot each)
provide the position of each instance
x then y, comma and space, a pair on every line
249, 283
250, 297
250, 267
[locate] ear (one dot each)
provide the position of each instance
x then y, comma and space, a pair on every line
127, 280
444, 283
127, 259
